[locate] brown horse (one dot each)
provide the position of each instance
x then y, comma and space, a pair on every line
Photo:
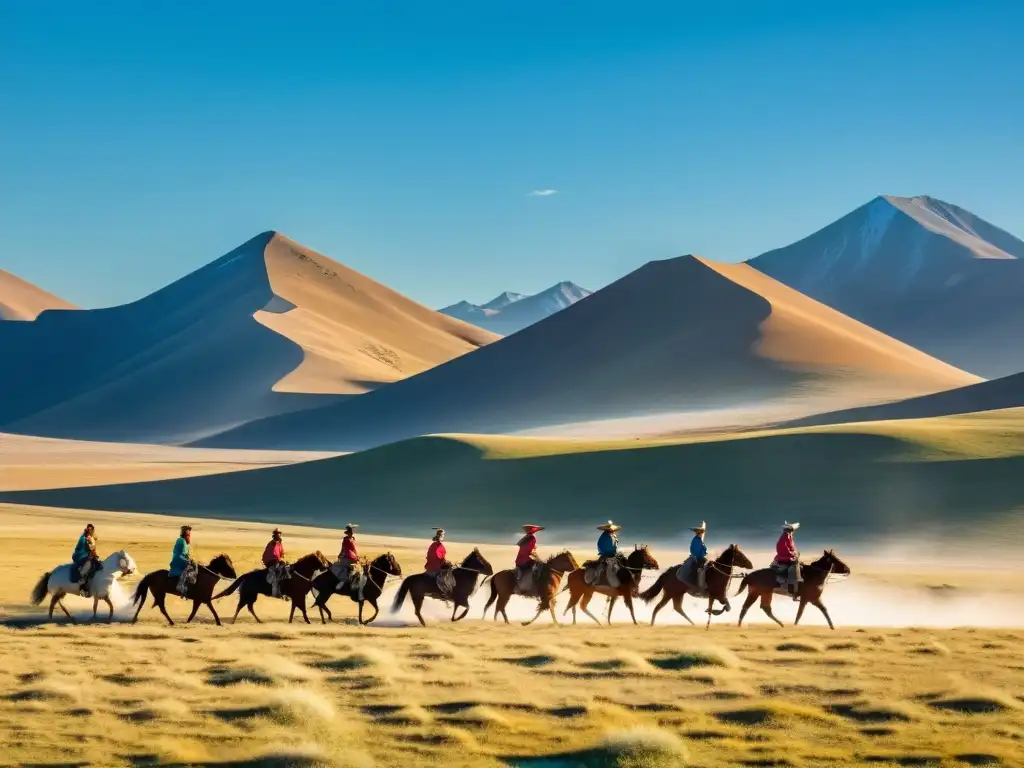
423, 585
161, 584
546, 584
763, 584
718, 575
375, 573
639, 560
255, 583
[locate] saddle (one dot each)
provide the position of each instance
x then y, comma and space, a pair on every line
603, 572
275, 575
187, 579
446, 581
528, 579
690, 574
787, 575
76, 571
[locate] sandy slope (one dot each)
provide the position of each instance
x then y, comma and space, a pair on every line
938, 476
682, 334
20, 300
922, 270
39, 462
247, 336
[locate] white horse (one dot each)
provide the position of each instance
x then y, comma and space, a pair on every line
58, 583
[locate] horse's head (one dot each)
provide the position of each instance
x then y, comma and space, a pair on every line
311, 563
734, 557
831, 564
641, 558
563, 562
222, 566
387, 563
121, 561
475, 561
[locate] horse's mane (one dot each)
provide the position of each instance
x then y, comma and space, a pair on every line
557, 555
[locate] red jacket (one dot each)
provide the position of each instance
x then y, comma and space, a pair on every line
273, 554
527, 545
348, 549
785, 549
435, 556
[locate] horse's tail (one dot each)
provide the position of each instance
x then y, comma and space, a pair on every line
655, 589
492, 598
230, 590
743, 585
41, 588
142, 590
400, 597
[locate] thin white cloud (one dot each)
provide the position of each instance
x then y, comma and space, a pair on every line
543, 192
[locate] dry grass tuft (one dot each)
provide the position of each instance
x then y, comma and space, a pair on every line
644, 748
698, 657
800, 647
771, 713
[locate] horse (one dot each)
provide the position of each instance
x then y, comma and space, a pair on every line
375, 574
423, 585
763, 583
546, 584
640, 559
255, 583
161, 583
58, 583
718, 575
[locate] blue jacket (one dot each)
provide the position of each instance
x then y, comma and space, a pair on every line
697, 548
81, 550
179, 557
606, 546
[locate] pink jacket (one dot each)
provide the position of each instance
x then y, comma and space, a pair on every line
785, 549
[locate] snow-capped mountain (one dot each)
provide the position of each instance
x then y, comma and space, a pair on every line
927, 272
511, 312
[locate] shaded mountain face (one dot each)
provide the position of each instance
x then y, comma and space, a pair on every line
923, 271
508, 312
270, 327
21, 300
681, 335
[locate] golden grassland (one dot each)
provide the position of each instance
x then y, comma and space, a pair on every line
474, 693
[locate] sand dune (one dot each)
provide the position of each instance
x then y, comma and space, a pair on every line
20, 300
268, 328
932, 477
993, 395
679, 335
40, 462
924, 271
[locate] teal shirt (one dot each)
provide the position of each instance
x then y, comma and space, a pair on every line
179, 557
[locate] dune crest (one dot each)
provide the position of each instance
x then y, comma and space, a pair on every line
21, 300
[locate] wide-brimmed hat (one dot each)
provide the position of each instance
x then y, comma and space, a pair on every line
790, 526
186, 528
533, 528
610, 527
437, 531
276, 532
700, 528
351, 526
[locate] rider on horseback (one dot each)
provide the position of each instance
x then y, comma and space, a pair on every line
273, 560
526, 558
182, 566
85, 559
438, 566
787, 560
699, 555
607, 555
344, 570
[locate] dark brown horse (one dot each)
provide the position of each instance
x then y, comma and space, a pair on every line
161, 584
718, 575
763, 584
638, 561
375, 574
255, 583
545, 586
423, 585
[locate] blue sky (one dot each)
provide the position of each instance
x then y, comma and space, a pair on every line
139, 141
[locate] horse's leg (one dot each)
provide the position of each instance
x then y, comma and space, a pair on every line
320, 608
216, 618
584, 602
417, 604
500, 607
460, 618
800, 610
291, 614
677, 603
751, 599
628, 600
302, 607
535, 617
661, 604
95, 607
163, 610
110, 609
821, 607
60, 602
238, 610
766, 606
195, 609
611, 604
250, 605
376, 610
711, 602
